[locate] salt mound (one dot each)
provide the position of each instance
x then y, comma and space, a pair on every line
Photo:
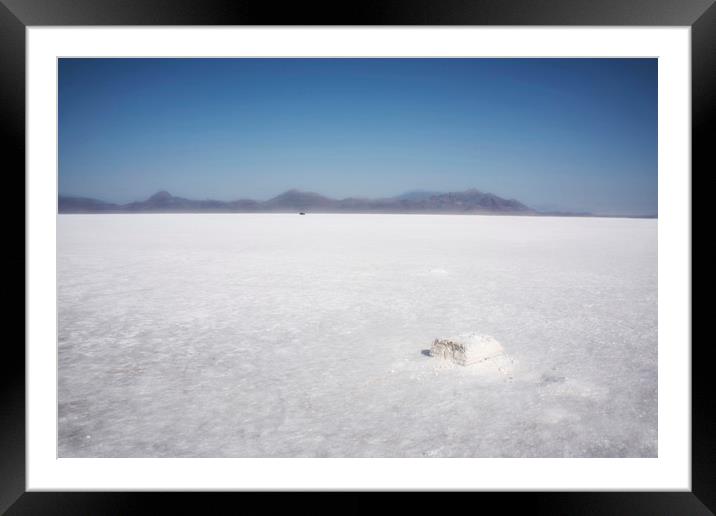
468, 349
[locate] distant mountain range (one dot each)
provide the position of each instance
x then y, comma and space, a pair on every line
469, 201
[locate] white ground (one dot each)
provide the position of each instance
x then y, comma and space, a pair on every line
285, 335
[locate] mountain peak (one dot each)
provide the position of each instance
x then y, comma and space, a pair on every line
162, 195
296, 191
294, 194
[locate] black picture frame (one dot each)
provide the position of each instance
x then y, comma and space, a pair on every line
16, 15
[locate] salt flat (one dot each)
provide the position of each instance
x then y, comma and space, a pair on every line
279, 335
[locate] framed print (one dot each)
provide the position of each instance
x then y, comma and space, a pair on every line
436, 249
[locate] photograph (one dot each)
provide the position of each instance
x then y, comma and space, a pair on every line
357, 257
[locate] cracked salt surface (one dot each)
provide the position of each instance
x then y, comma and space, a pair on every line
285, 336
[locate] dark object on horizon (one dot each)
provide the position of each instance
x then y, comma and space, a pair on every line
291, 201
302, 213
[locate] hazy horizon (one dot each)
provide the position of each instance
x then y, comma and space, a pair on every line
555, 134
545, 208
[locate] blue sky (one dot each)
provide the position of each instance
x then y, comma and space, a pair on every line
569, 134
